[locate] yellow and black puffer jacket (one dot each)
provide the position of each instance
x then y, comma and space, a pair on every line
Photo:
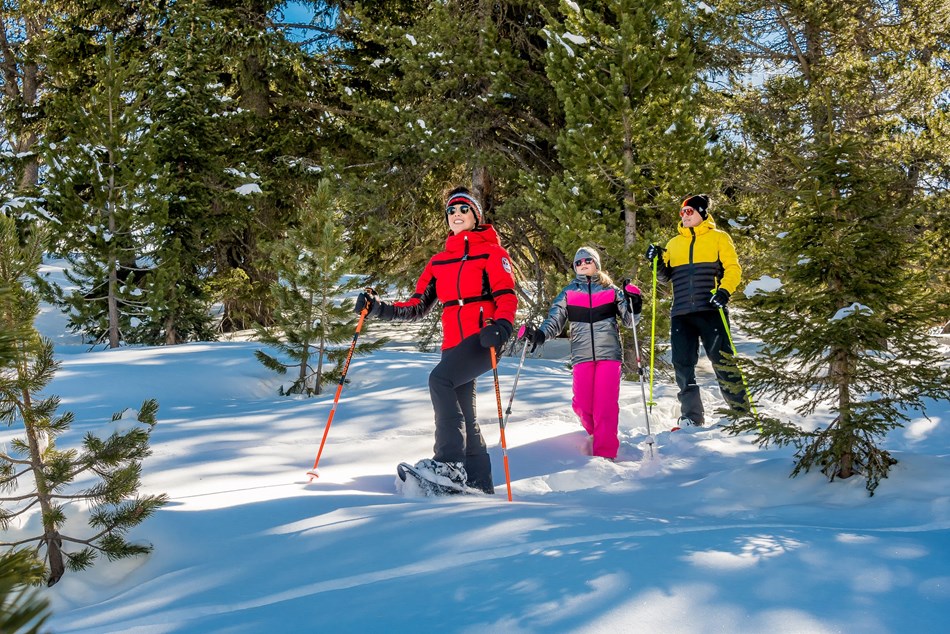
698, 261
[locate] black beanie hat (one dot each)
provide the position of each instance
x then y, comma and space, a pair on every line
700, 203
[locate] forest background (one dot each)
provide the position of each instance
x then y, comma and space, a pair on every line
173, 147
193, 159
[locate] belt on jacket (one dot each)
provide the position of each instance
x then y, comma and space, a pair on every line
478, 298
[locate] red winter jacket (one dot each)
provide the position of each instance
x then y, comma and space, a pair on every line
472, 278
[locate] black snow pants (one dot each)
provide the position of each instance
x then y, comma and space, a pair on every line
686, 331
452, 389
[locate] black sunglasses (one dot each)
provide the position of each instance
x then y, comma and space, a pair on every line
577, 263
460, 208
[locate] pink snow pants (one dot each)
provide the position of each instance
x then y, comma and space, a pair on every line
596, 402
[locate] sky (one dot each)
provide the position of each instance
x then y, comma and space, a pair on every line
295, 13
709, 534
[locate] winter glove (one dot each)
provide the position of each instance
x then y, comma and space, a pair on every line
534, 336
720, 298
632, 294
367, 299
537, 339
495, 334
653, 251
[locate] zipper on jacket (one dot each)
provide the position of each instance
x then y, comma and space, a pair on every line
692, 271
590, 318
458, 289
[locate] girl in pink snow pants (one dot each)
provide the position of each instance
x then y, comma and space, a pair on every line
593, 305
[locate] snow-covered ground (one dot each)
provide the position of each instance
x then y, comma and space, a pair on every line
708, 535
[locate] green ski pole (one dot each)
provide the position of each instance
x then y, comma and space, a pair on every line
735, 356
652, 335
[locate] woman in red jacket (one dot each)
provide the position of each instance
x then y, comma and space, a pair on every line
473, 280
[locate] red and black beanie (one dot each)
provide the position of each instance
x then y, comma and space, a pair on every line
700, 203
461, 196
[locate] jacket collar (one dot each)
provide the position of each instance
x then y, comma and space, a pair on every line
482, 234
705, 226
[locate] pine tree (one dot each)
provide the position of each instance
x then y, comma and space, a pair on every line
193, 139
441, 94
314, 264
112, 504
635, 141
23, 31
22, 609
843, 129
272, 82
104, 191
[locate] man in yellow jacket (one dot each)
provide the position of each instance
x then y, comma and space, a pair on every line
702, 264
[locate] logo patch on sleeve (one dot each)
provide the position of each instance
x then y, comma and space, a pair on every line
505, 264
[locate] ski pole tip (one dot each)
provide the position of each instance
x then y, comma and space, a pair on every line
313, 475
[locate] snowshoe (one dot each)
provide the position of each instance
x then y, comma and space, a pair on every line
685, 421
434, 478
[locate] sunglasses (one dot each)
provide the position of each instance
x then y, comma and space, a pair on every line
463, 209
687, 211
577, 263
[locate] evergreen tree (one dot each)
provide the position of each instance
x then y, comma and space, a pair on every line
194, 110
112, 502
104, 191
843, 128
22, 609
277, 124
441, 94
23, 30
314, 264
635, 141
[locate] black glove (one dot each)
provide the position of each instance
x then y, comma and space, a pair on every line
495, 334
367, 299
653, 251
534, 336
720, 298
537, 339
632, 294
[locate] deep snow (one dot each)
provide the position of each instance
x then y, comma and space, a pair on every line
709, 535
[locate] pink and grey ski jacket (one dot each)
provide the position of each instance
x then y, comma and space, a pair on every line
593, 310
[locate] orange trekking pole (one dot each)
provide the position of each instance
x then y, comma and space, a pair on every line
339, 388
501, 418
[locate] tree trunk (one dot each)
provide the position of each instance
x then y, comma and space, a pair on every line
113, 259
51, 538
171, 331
841, 375
629, 196
253, 80
54, 553
113, 305
305, 356
483, 188
321, 352
21, 87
